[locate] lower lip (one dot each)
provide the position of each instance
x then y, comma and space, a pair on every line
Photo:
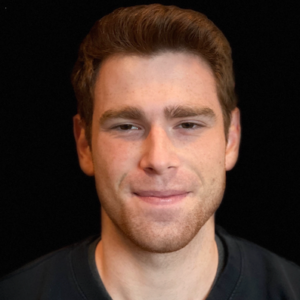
168, 200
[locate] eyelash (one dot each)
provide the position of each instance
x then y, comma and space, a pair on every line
118, 127
194, 126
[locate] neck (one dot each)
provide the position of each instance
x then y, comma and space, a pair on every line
131, 273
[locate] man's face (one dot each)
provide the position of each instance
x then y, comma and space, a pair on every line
158, 148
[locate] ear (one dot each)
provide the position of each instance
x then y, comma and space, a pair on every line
83, 148
234, 139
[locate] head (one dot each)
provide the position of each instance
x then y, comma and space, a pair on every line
147, 30
159, 127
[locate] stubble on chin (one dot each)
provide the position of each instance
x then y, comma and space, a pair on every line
170, 236
171, 233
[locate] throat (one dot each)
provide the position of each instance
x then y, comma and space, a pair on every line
179, 275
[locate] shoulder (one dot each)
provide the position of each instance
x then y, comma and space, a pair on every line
261, 272
252, 253
48, 277
45, 263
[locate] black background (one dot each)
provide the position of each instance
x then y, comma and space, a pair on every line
47, 202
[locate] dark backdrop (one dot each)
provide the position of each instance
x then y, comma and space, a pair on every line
47, 202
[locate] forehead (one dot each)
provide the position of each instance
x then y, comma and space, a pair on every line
168, 78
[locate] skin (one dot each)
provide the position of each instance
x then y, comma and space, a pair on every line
159, 157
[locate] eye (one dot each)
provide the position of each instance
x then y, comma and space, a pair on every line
189, 125
125, 127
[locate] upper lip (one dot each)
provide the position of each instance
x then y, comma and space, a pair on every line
166, 193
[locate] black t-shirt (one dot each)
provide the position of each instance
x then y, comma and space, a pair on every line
249, 273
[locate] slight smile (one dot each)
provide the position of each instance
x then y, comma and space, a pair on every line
161, 197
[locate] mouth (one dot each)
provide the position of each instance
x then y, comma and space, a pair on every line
161, 197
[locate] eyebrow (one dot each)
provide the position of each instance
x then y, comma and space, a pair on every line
127, 112
171, 112
180, 111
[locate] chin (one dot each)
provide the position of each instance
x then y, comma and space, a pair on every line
164, 229
160, 237
167, 243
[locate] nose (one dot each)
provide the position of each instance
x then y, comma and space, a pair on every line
159, 154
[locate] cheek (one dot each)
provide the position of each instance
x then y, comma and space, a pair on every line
113, 158
208, 156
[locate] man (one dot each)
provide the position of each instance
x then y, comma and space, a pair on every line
158, 127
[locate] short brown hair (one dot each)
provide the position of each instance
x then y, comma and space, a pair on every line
147, 30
